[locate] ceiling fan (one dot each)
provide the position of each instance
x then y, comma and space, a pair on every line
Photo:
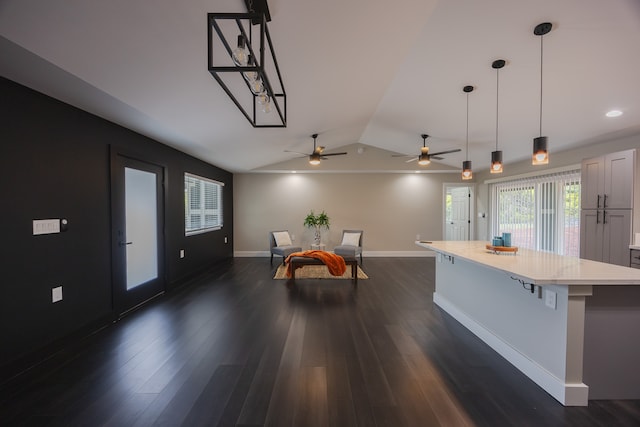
316, 155
424, 158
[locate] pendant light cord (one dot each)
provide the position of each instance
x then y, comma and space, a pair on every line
541, 56
467, 125
497, 100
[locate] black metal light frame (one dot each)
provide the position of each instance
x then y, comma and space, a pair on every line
260, 18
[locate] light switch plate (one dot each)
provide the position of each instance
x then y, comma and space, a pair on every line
46, 226
56, 294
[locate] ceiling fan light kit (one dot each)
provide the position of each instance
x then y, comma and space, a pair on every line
258, 90
314, 159
540, 150
423, 159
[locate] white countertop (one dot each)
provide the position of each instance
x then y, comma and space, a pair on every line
539, 268
634, 246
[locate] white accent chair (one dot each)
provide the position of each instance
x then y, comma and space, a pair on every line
351, 245
280, 244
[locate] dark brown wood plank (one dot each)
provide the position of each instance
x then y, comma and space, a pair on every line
312, 407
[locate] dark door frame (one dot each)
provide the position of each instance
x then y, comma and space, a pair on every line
123, 300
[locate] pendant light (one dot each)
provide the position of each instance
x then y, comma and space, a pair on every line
540, 152
467, 172
496, 156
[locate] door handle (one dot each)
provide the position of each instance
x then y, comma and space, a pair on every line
124, 243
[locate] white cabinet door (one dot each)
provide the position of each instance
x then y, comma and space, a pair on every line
618, 180
607, 181
591, 235
617, 236
592, 183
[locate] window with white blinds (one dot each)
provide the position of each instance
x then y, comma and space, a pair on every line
202, 204
541, 212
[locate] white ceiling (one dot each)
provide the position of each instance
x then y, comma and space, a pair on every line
370, 72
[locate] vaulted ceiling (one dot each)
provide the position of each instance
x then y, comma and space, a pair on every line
359, 72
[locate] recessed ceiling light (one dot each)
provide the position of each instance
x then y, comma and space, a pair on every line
614, 113
293, 172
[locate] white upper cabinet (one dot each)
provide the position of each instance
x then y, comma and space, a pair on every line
607, 181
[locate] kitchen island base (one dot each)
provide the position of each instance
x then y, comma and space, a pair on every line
561, 321
546, 345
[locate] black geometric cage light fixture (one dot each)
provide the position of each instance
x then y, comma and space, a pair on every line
242, 60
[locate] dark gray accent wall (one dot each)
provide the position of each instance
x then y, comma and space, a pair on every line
54, 163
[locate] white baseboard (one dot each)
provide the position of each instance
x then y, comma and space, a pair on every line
251, 254
566, 393
367, 254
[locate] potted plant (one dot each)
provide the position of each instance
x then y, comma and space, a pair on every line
317, 222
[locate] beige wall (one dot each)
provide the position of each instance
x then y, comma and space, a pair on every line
391, 208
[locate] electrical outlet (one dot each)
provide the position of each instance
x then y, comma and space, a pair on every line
225, 239
56, 294
550, 299
181, 253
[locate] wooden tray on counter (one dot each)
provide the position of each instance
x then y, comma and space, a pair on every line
507, 249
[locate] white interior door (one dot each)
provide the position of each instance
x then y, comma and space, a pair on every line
457, 213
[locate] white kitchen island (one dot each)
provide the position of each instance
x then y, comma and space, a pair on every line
571, 325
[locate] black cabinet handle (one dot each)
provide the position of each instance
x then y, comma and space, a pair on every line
598, 202
604, 204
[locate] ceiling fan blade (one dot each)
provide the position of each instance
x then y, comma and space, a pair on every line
334, 154
402, 155
411, 160
297, 152
436, 157
446, 152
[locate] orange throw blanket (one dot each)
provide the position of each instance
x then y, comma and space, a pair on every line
335, 263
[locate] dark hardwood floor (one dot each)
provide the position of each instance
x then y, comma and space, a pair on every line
237, 348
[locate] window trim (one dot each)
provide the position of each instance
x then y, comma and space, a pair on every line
540, 173
220, 204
